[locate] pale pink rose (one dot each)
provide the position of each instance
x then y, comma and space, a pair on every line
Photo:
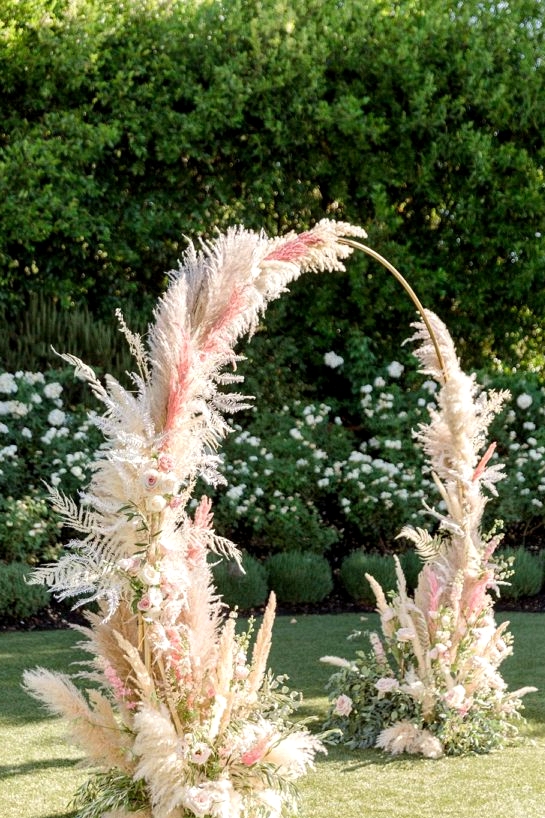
386, 685
455, 697
343, 705
130, 565
165, 462
144, 603
200, 753
241, 672
405, 634
150, 479
152, 599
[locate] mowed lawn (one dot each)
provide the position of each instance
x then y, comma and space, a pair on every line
39, 771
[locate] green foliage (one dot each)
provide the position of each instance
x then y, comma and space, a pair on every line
127, 127
31, 338
29, 530
357, 564
106, 791
43, 442
19, 600
244, 589
527, 573
367, 711
299, 578
411, 565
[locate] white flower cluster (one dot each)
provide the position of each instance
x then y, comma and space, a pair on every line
333, 360
36, 417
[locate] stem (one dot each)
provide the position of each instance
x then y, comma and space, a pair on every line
170, 703
408, 289
143, 642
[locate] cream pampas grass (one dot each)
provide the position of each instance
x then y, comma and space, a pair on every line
441, 649
172, 697
90, 724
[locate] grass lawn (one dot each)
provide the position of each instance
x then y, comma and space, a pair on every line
39, 773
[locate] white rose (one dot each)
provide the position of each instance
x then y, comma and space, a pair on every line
200, 753
455, 697
150, 575
156, 504
199, 800
155, 596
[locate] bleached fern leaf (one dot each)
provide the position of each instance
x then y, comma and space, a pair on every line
426, 546
79, 518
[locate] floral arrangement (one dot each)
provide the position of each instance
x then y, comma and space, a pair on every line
180, 718
431, 684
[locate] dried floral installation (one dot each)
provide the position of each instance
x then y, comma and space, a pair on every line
178, 715
431, 684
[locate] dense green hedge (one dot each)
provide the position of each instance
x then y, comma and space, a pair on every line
125, 127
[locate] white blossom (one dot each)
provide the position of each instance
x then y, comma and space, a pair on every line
56, 417
333, 360
7, 383
52, 390
395, 369
524, 401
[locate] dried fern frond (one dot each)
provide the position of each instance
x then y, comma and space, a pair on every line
136, 347
426, 546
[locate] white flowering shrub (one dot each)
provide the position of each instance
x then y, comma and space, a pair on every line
311, 476
317, 476
42, 441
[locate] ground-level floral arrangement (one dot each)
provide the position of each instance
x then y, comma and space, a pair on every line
429, 684
176, 711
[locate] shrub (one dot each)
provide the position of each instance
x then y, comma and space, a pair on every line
43, 440
29, 530
117, 141
19, 600
357, 564
31, 334
411, 565
242, 589
527, 576
41, 437
299, 578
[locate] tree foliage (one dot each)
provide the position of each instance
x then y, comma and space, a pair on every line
126, 127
